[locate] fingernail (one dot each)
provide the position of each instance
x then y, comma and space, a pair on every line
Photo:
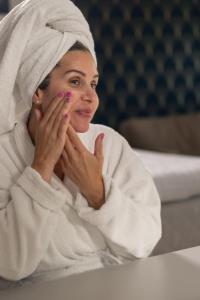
61, 94
68, 94
102, 136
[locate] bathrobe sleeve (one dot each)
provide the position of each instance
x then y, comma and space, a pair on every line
130, 218
29, 209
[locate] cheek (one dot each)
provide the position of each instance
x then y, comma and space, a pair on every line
97, 102
46, 101
50, 94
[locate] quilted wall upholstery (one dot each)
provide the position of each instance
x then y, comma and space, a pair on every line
149, 57
148, 53
4, 6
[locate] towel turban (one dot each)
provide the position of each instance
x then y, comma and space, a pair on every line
33, 38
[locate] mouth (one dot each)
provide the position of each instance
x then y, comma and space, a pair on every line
86, 113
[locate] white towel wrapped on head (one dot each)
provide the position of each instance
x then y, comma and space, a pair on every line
33, 38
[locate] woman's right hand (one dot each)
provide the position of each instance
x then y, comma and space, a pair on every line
50, 135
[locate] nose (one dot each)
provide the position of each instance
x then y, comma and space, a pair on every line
89, 94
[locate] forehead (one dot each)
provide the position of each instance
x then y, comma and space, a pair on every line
78, 59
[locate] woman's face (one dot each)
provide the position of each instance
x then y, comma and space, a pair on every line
76, 73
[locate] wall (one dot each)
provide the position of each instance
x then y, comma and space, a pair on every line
148, 54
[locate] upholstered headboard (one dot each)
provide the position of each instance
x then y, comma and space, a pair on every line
149, 56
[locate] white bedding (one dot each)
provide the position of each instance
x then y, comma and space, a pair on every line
176, 176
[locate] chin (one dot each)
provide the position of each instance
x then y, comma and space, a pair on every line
80, 128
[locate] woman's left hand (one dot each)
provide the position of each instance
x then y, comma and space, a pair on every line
84, 168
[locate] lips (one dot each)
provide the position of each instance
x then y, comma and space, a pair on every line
84, 112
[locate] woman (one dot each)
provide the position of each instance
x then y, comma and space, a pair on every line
77, 73
73, 195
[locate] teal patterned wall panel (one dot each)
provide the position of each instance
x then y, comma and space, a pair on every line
4, 6
149, 56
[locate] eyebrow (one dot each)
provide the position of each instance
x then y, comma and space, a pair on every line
80, 72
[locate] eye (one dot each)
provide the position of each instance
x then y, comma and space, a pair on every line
75, 81
94, 85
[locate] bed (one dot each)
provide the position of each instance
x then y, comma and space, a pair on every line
177, 178
171, 152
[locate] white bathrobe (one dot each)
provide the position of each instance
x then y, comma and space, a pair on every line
46, 227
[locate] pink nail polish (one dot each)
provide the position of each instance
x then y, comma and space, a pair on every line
102, 136
68, 94
65, 116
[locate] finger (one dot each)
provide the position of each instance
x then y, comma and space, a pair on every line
65, 158
56, 117
59, 114
64, 110
69, 148
59, 99
52, 106
98, 148
63, 126
75, 139
63, 166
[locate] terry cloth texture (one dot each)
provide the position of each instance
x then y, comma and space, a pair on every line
46, 227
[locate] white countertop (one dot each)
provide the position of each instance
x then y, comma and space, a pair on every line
173, 276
